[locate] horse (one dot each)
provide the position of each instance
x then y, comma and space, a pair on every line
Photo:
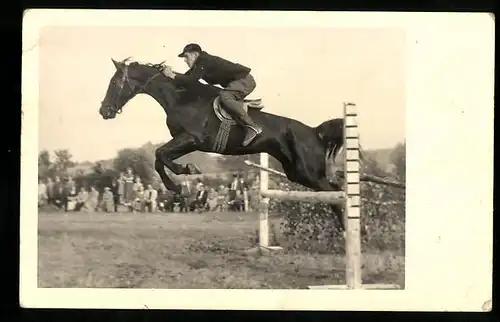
195, 126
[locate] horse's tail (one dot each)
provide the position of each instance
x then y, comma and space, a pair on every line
331, 134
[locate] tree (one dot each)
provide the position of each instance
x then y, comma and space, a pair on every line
44, 164
141, 162
63, 160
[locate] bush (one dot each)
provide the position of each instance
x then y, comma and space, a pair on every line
311, 227
99, 180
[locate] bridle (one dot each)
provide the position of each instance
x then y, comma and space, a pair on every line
126, 79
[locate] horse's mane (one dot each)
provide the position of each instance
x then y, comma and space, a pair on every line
200, 88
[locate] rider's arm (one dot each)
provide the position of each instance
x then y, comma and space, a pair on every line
192, 75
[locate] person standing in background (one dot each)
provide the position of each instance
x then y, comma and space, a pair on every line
242, 184
58, 193
184, 197
138, 194
70, 184
66, 188
128, 192
150, 196
115, 187
42, 193
234, 186
121, 187
50, 191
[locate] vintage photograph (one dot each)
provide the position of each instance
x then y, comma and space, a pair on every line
150, 167
218, 157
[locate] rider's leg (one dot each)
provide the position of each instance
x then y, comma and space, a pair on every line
232, 98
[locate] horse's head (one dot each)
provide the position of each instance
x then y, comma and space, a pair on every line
128, 81
120, 91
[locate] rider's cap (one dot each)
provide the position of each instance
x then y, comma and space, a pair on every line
190, 48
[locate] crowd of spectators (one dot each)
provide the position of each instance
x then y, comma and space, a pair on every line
127, 192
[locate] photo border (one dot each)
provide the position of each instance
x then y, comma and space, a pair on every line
446, 220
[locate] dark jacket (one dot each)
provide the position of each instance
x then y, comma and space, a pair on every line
203, 198
214, 70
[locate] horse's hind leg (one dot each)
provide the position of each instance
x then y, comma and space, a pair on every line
337, 210
166, 154
311, 173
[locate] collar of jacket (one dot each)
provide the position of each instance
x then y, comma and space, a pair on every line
203, 55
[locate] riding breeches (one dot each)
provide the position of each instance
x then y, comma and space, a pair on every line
233, 95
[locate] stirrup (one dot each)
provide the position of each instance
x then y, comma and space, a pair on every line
255, 128
250, 137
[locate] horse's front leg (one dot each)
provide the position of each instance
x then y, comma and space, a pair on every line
166, 154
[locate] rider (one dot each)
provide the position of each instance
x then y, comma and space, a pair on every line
235, 78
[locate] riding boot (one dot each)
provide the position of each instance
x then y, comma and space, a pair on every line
252, 129
241, 117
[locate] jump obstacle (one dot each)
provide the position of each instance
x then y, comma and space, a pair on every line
350, 197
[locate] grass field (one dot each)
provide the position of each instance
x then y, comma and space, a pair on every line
191, 250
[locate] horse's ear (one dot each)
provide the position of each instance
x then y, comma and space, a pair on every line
118, 65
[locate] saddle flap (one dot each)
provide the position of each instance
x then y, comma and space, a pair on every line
221, 114
225, 116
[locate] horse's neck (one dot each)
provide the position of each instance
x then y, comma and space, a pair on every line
172, 98
166, 97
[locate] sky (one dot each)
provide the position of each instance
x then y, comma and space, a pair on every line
301, 73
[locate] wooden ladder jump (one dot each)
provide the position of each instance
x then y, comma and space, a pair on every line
350, 197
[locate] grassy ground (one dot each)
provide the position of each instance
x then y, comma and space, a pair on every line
182, 251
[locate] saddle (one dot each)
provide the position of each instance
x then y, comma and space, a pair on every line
224, 116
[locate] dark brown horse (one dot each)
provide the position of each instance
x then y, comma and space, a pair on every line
194, 126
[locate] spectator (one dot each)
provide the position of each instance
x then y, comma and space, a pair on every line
58, 193
237, 203
121, 187
115, 187
246, 196
183, 198
138, 194
42, 193
199, 185
150, 196
70, 184
234, 186
128, 193
71, 198
164, 199
220, 198
50, 191
107, 200
200, 202
227, 198
213, 199
93, 199
81, 199
242, 185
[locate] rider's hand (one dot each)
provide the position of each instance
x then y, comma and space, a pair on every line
167, 70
